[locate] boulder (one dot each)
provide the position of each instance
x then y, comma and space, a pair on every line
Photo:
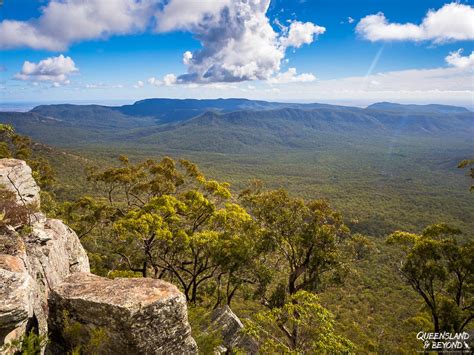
15, 175
139, 316
230, 326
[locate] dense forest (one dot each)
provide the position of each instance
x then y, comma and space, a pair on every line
302, 276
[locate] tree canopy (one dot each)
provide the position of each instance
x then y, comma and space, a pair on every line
440, 269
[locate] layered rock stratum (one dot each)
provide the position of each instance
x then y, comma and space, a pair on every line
45, 281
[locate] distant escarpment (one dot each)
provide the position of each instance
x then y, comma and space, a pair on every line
46, 287
236, 125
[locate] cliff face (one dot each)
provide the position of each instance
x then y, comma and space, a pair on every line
45, 281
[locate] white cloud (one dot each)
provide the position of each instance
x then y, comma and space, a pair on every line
300, 33
238, 42
456, 59
54, 69
291, 76
139, 84
187, 57
452, 22
189, 14
63, 22
169, 79
350, 20
154, 81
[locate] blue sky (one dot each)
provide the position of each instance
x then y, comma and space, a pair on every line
353, 52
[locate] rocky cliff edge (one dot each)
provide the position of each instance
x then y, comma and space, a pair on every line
45, 281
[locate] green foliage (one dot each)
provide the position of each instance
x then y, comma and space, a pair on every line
80, 339
361, 246
308, 235
12, 144
379, 184
28, 344
374, 308
468, 163
440, 270
166, 220
301, 325
378, 168
360, 314
85, 215
207, 339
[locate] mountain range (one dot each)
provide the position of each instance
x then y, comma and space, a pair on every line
235, 125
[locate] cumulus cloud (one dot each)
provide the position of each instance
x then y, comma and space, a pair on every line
238, 42
169, 79
456, 59
452, 22
54, 69
291, 76
300, 33
63, 22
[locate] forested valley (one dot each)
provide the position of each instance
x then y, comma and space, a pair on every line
317, 250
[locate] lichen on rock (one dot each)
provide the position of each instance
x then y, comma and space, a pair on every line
139, 315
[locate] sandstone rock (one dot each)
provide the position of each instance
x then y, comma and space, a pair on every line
16, 294
29, 267
55, 249
45, 272
140, 316
15, 175
32, 263
230, 327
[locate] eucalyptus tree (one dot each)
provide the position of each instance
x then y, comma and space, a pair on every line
440, 269
306, 237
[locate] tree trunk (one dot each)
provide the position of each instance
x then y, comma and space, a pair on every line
436, 322
294, 337
219, 293
291, 283
194, 291
230, 296
144, 270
